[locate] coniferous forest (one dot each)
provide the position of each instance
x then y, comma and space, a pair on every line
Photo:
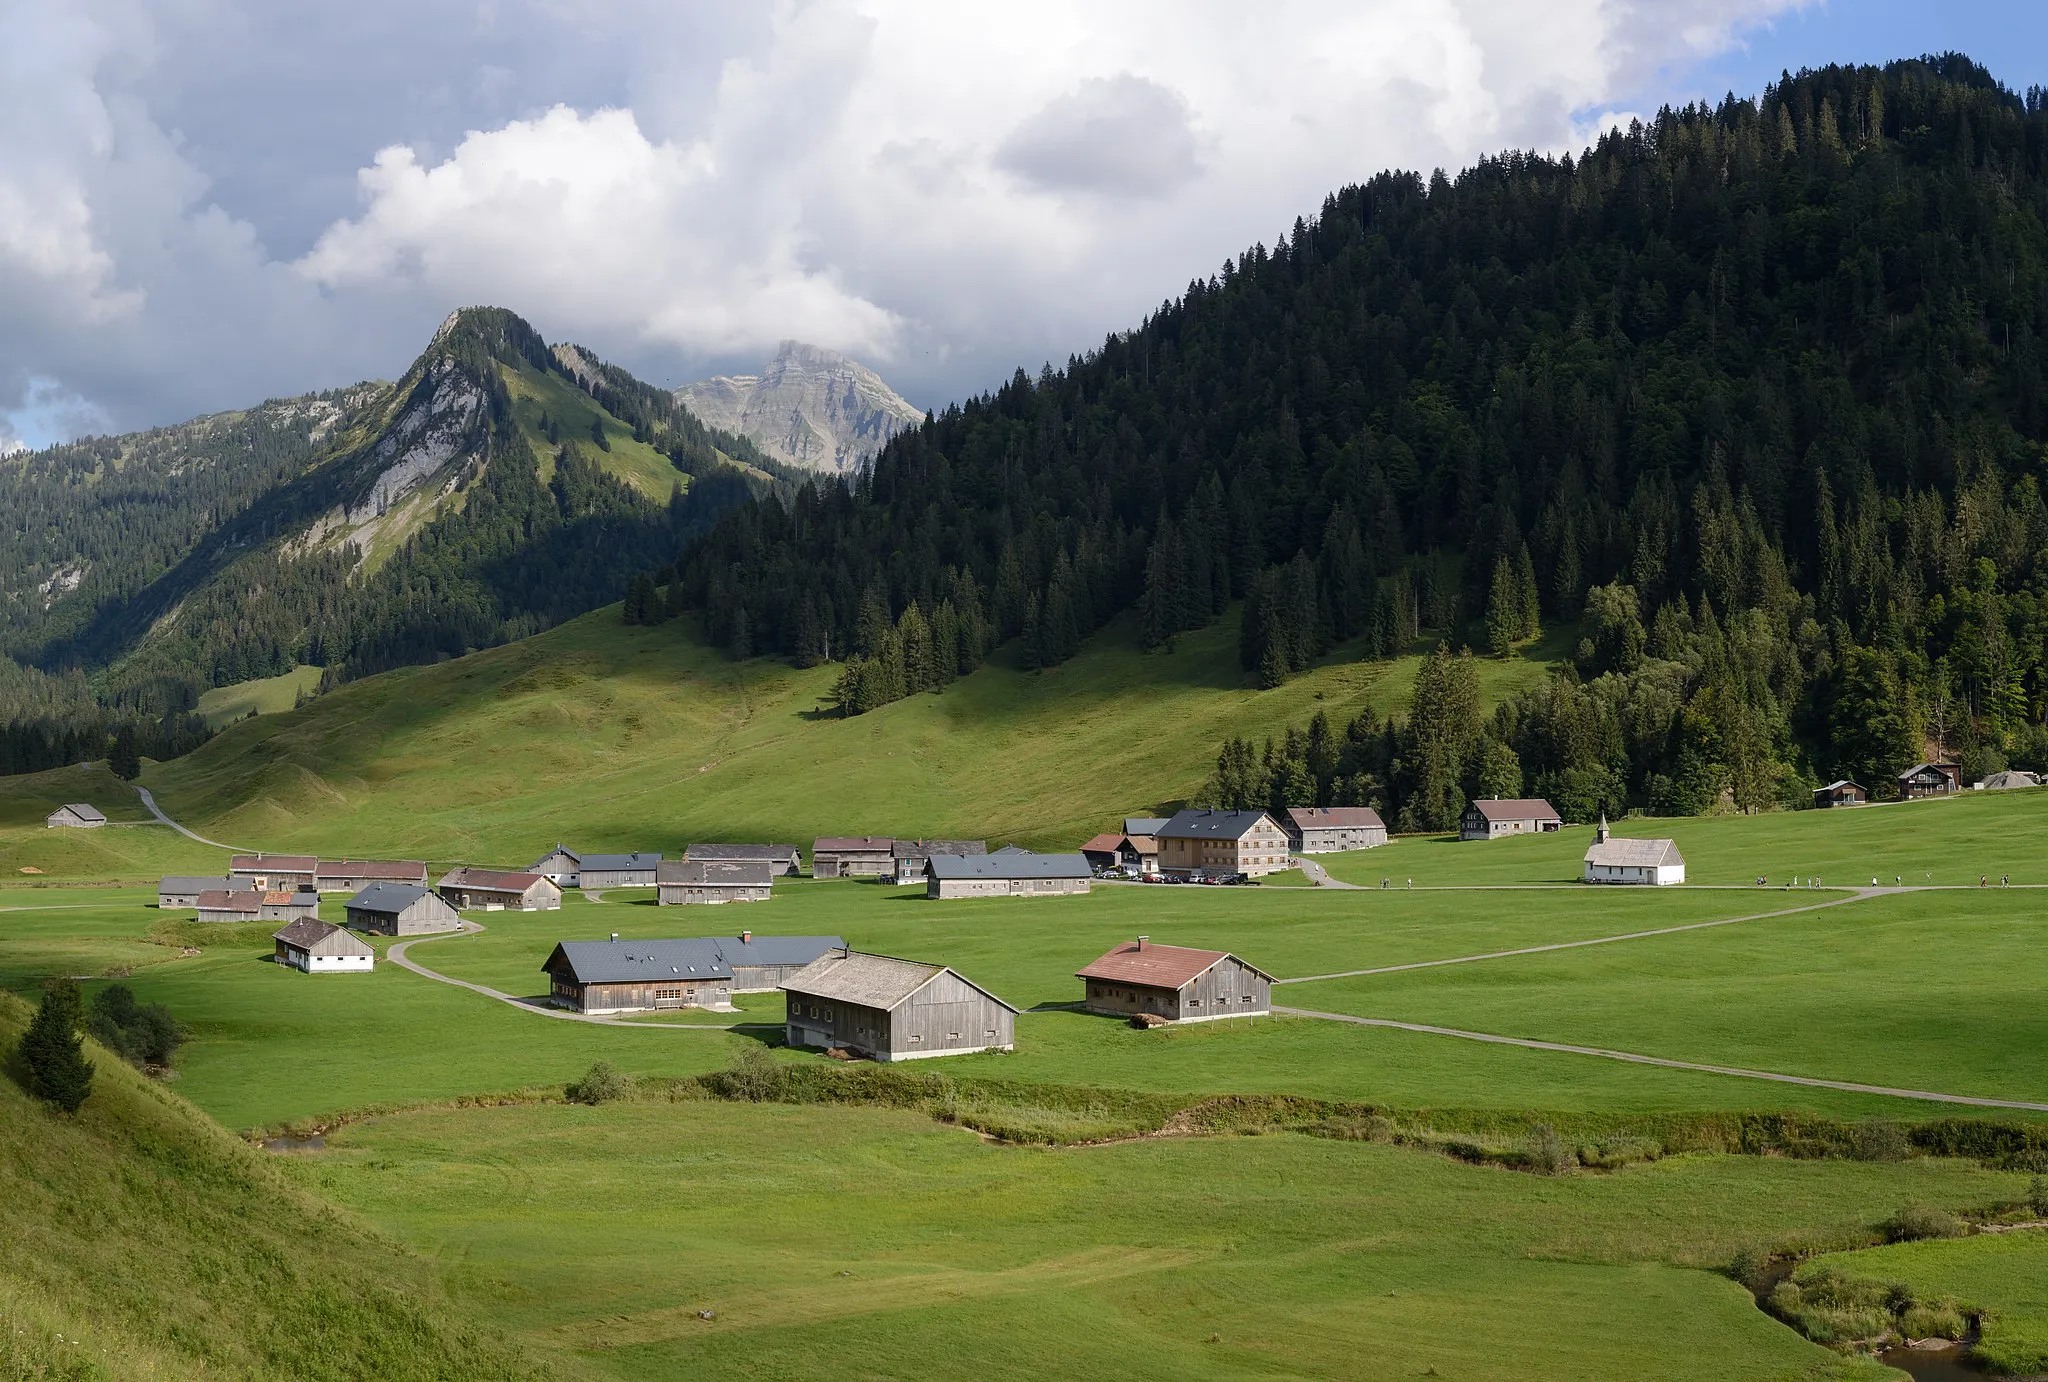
1748, 401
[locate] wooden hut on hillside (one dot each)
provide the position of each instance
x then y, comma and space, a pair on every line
890, 1009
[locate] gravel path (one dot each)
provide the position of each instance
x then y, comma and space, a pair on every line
1318, 875
1634, 1059
157, 811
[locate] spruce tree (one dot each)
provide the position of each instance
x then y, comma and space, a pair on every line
597, 436
1503, 610
123, 760
52, 1054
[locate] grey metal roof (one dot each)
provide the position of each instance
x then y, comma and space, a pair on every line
772, 853
1144, 825
872, 981
614, 863
1004, 864
629, 962
85, 811
775, 950
1636, 854
178, 883
389, 898
925, 849
1211, 825
714, 873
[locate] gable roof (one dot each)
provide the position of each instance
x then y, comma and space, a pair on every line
179, 883
853, 844
1005, 864
230, 900
1109, 842
1639, 854
872, 981
85, 810
1210, 825
628, 962
1837, 783
772, 853
320, 937
1516, 809
716, 873
389, 898
775, 950
273, 863
1945, 769
390, 870
491, 880
616, 863
1158, 966
1335, 818
1144, 825
926, 849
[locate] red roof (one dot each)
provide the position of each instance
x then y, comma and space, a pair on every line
1516, 809
1108, 842
273, 863
1157, 966
221, 900
491, 880
1335, 818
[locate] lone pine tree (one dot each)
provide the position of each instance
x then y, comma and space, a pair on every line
51, 1053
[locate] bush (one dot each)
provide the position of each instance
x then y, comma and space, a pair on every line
1753, 1267
603, 1083
1939, 1320
1880, 1139
753, 1076
1916, 1222
2037, 1195
1549, 1155
143, 1035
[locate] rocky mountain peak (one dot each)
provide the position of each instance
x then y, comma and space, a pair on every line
808, 406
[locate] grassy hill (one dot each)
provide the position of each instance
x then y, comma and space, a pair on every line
636, 738
142, 1240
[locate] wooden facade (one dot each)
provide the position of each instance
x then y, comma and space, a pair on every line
252, 904
1007, 873
853, 856
1930, 780
691, 881
1175, 984
1205, 842
638, 976
1842, 793
354, 875
176, 891
274, 870
1493, 819
1332, 829
784, 861
889, 1009
76, 815
396, 909
491, 890
319, 947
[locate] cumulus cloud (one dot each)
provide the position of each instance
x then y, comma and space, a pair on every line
206, 201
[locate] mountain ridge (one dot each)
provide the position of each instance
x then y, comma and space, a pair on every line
809, 406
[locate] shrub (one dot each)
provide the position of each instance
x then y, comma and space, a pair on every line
143, 1035
753, 1076
1880, 1139
1753, 1267
1938, 1320
1915, 1222
1548, 1154
603, 1083
2037, 1195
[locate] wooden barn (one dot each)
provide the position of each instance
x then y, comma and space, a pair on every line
1653, 863
566, 868
1840, 793
320, 947
1930, 780
274, 870
1175, 984
638, 976
76, 815
178, 891
259, 904
354, 875
762, 964
910, 856
1495, 818
1113, 850
853, 856
1006, 873
1332, 829
683, 881
493, 890
401, 909
1246, 842
785, 861
890, 1009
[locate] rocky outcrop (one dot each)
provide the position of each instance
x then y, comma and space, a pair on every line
809, 407
437, 425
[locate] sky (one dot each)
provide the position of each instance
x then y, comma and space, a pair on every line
204, 203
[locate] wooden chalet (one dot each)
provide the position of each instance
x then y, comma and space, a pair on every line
908, 857
491, 890
1006, 873
258, 904
76, 815
401, 909
354, 875
853, 856
1930, 780
274, 870
1332, 829
320, 947
1202, 842
1494, 818
785, 861
683, 881
175, 890
567, 868
1174, 983
638, 976
890, 1009
1840, 793
1117, 850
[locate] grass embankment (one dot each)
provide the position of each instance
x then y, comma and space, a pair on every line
628, 738
871, 1237
1997, 1280
223, 705
142, 1240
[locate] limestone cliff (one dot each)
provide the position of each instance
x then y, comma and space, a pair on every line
809, 407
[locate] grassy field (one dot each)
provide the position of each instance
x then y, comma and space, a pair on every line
2001, 1276
573, 411
224, 705
891, 1244
143, 1241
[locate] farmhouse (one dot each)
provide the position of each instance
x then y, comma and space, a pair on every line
785, 861
353, 875
1331, 829
1139, 853
175, 891
320, 947
638, 976
490, 890
1175, 984
1930, 780
401, 909
566, 868
891, 1009
1006, 873
908, 857
77, 815
853, 856
251, 904
1246, 842
274, 870
697, 880
1653, 862
1840, 793
1491, 819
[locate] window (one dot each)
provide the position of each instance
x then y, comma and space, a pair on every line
1246, 1000
991, 1034
917, 1036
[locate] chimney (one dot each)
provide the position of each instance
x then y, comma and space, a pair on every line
746, 938
1142, 940
615, 938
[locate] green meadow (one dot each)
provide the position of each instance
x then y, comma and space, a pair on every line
223, 705
2000, 1278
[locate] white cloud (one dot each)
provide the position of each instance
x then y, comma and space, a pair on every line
947, 189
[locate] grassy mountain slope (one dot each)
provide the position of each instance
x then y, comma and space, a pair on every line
645, 738
142, 1240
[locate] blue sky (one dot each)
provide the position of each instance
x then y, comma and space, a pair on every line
2010, 37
